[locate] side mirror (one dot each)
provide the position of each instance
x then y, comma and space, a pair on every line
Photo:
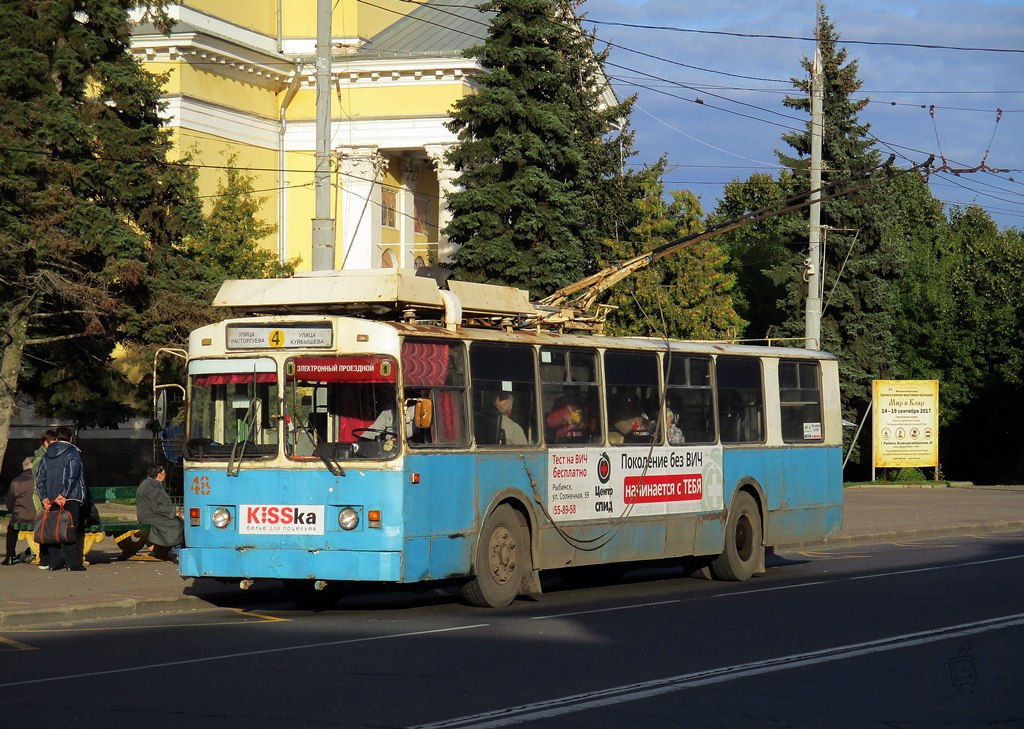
160, 414
423, 413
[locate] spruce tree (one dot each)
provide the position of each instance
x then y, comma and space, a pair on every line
863, 238
536, 151
86, 196
860, 259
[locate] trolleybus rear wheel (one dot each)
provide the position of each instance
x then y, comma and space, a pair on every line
502, 560
741, 557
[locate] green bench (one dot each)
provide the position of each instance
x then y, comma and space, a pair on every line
131, 536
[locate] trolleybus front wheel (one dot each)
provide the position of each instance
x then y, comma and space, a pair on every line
743, 553
502, 560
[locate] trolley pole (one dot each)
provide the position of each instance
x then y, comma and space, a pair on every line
323, 224
812, 318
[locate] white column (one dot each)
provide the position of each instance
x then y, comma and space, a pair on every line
361, 172
410, 175
446, 176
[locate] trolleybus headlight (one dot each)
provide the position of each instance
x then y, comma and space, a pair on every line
348, 518
221, 517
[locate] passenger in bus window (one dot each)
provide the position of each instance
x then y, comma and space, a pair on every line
565, 422
675, 433
509, 431
631, 422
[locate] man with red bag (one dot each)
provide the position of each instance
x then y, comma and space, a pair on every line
61, 484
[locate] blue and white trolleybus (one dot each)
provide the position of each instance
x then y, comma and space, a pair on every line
384, 427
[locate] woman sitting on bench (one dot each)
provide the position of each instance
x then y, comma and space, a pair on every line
153, 507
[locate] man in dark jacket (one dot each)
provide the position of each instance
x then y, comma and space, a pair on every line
19, 504
61, 483
153, 507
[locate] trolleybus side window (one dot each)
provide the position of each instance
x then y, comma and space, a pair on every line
633, 396
689, 400
231, 409
342, 406
800, 396
570, 396
436, 372
740, 400
504, 386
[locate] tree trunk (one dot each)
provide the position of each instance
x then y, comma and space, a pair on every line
10, 368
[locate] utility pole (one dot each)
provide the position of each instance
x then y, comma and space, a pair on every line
812, 318
323, 224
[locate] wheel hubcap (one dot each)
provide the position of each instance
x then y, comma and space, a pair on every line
502, 555
744, 541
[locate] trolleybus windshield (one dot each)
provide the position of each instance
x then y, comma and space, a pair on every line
232, 409
342, 407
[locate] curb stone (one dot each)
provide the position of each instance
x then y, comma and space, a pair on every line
69, 614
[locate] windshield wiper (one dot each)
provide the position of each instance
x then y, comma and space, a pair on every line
248, 423
324, 451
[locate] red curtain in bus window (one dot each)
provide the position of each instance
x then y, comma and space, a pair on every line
236, 378
349, 423
426, 364
446, 413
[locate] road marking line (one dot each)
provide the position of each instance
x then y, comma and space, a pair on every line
936, 568
740, 593
17, 645
647, 689
605, 610
261, 616
259, 619
770, 589
246, 654
831, 556
919, 544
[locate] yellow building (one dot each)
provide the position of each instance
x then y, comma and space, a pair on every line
241, 81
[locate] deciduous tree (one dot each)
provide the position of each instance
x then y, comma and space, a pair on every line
687, 295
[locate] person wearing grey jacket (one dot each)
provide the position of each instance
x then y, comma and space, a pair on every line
61, 483
153, 507
23, 511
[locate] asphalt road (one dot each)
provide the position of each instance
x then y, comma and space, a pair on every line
919, 634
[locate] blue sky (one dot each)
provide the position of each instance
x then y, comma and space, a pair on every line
742, 81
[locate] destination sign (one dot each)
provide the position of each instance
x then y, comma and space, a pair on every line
292, 336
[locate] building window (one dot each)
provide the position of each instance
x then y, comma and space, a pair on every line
421, 206
389, 207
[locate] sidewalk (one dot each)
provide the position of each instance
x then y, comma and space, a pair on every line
111, 588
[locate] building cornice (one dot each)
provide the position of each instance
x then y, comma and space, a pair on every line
190, 114
408, 133
219, 47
